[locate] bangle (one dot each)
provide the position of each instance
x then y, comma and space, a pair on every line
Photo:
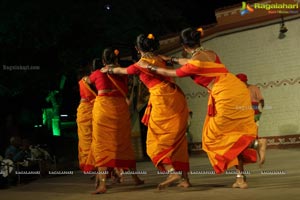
149, 67
110, 71
152, 68
174, 59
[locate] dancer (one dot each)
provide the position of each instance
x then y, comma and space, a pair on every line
84, 122
111, 143
229, 128
166, 115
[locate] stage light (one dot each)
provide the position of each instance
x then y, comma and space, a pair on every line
107, 7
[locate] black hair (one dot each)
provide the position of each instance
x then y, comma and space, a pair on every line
85, 69
190, 37
110, 56
147, 43
97, 64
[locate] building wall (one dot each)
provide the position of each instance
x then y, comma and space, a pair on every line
271, 63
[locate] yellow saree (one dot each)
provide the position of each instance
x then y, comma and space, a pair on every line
166, 116
166, 140
84, 128
112, 145
229, 127
112, 133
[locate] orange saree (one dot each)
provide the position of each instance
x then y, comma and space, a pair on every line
167, 115
166, 140
112, 132
84, 127
229, 127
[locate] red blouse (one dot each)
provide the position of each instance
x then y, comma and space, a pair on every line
149, 79
200, 80
102, 82
85, 93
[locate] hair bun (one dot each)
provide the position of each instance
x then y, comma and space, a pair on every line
150, 36
116, 52
201, 31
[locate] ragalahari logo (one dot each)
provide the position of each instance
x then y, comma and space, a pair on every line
246, 8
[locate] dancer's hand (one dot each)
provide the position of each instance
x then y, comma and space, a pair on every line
165, 58
86, 79
104, 69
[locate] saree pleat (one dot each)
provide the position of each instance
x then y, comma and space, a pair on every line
166, 140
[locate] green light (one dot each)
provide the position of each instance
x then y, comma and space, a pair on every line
56, 126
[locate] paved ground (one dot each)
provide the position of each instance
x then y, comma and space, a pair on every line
279, 179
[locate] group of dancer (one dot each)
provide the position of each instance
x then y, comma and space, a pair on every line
228, 134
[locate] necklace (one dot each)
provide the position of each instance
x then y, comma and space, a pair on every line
195, 51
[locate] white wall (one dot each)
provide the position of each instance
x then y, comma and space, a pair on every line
272, 64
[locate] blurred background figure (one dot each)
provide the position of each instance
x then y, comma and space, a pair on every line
258, 104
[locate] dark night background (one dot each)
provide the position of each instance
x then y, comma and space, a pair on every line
61, 36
